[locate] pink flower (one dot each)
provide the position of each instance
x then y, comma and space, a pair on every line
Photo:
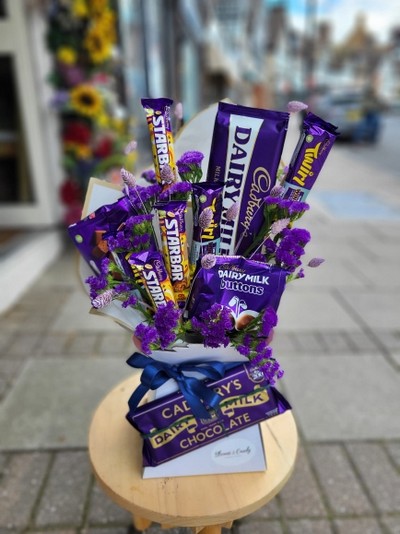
232, 212
315, 262
128, 178
295, 106
130, 147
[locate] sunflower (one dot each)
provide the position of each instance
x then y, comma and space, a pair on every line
106, 21
97, 44
97, 6
86, 100
79, 9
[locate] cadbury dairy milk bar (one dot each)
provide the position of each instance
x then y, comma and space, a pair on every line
169, 428
309, 157
245, 154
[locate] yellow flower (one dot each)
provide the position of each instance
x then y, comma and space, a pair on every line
106, 22
97, 44
86, 100
79, 9
78, 150
66, 55
98, 6
103, 120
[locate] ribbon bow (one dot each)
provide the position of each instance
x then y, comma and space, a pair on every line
156, 373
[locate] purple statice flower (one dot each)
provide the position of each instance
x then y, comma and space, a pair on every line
208, 261
278, 226
205, 218
167, 175
177, 189
272, 200
59, 99
130, 147
214, 325
300, 273
294, 106
188, 159
130, 301
178, 111
119, 241
259, 256
121, 288
147, 335
143, 198
104, 299
166, 319
96, 284
244, 348
128, 178
315, 262
270, 246
232, 212
269, 320
276, 191
271, 370
300, 235
149, 175
297, 207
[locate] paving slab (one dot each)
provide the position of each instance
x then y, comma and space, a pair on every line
313, 310
74, 316
378, 308
52, 402
343, 397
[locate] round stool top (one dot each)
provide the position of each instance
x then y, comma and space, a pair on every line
115, 450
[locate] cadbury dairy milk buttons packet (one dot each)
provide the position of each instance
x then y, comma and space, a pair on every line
245, 154
245, 286
309, 157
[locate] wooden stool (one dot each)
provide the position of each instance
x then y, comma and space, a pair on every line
207, 502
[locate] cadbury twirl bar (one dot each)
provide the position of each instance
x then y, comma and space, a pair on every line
171, 216
245, 286
159, 123
309, 157
205, 240
150, 266
245, 154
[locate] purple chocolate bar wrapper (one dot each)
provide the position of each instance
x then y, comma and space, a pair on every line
86, 234
245, 154
169, 429
309, 157
206, 241
245, 286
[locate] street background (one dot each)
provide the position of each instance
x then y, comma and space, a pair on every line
338, 337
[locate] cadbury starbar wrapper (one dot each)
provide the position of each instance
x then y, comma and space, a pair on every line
245, 153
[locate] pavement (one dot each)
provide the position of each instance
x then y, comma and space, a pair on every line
338, 339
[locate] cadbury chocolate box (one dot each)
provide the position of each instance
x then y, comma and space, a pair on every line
169, 429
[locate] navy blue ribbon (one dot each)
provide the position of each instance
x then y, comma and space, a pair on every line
196, 393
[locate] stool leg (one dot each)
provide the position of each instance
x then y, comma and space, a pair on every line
140, 523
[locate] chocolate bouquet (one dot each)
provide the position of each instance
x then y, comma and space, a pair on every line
197, 261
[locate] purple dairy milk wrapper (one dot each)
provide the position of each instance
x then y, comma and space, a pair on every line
245, 154
309, 157
245, 286
88, 233
169, 429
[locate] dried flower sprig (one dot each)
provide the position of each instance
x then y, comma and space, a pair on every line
189, 166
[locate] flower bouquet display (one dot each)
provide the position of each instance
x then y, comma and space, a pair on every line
195, 264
